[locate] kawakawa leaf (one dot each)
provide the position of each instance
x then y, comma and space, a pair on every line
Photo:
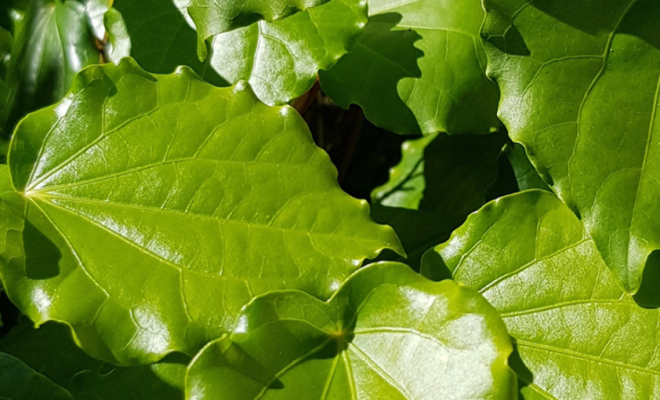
50, 351
281, 59
439, 181
419, 68
388, 333
592, 67
52, 43
526, 175
20, 382
157, 206
578, 334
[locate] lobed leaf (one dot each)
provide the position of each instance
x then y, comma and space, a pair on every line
577, 333
591, 66
155, 207
387, 333
419, 68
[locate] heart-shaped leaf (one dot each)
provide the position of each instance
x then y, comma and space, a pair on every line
157, 206
596, 144
20, 382
419, 68
50, 351
388, 333
578, 335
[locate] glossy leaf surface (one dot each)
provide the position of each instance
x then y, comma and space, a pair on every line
419, 68
388, 333
157, 206
50, 351
20, 382
578, 335
439, 181
53, 42
281, 59
591, 66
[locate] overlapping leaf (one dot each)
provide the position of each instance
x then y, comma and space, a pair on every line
280, 59
388, 333
52, 43
213, 17
419, 68
439, 181
20, 382
50, 351
157, 206
160, 37
591, 66
577, 333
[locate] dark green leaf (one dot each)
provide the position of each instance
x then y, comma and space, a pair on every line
580, 87
19, 382
578, 335
439, 181
419, 68
169, 204
53, 42
388, 333
50, 350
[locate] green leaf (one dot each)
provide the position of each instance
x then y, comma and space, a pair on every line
19, 382
50, 350
281, 59
53, 42
591, 67
157, 206
213, 17
387, 333
439, 181
577, 333
95, 10
446, 90
119, 41
526, 176
12, 206
158, 36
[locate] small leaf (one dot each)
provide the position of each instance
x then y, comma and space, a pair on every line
419, 68
387, 333
580, 88
19, 382
50, 350
53, 42
170, 204
577, 333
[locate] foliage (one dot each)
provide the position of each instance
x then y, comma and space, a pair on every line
172, 225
